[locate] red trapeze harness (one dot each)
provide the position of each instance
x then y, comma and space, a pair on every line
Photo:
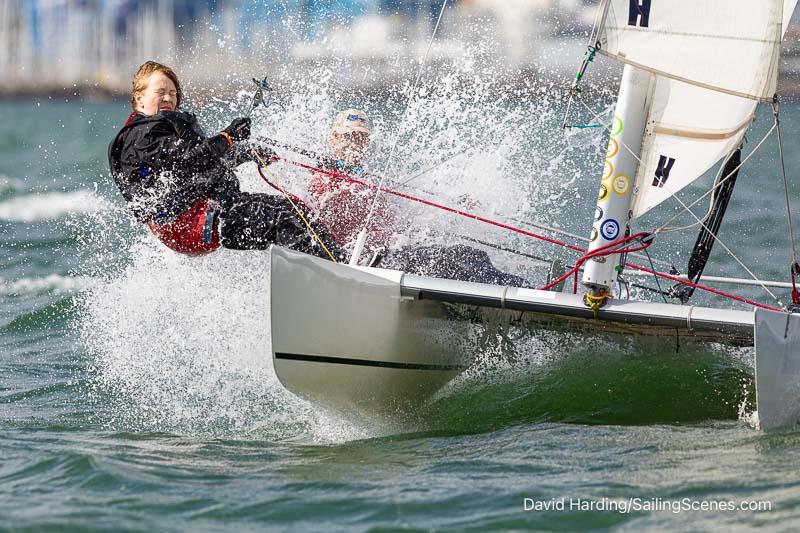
194, 232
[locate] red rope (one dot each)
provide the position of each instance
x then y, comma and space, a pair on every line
345, 177
604, 250
608, 249
280, 189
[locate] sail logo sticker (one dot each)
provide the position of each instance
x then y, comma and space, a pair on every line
613, 148
610, 229
621, 184
639, 12
662, 170
603, 193
608, 170
616, 126
598, 213
593, 236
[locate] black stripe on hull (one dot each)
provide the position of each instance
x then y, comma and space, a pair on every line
366, 362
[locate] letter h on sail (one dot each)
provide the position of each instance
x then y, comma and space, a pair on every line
639, 12
662, 171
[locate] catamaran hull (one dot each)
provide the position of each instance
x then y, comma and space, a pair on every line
346, 337
369, 339
777, 369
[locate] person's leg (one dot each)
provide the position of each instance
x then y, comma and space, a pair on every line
254, 221
458, 262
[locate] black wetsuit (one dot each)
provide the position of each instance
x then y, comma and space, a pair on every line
459, 262
164, 163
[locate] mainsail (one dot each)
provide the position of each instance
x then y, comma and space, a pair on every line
713, 61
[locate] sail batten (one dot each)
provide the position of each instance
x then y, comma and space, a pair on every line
678, 131
672, 33
696, 83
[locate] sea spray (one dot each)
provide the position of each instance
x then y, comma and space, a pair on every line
182, 344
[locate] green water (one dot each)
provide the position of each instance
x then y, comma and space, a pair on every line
135, 393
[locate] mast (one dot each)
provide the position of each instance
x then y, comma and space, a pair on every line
613, 211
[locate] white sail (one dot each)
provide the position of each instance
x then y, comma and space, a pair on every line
688, 130
710, 73
726, 45
788, 10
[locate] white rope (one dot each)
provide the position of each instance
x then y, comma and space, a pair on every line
596, 24
584, 239
402, 118
715, 184
480, 144
728, 250
288, 22
537, 225
592, 43
596, 115
608, 129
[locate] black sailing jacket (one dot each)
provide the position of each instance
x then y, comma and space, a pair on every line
164, 163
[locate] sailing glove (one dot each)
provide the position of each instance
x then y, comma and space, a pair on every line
266, 154
251, 151
239, 129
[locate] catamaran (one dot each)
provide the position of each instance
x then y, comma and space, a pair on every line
367, 338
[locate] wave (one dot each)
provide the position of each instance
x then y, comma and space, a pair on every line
53, 284
602, 385
43, 319
51, 206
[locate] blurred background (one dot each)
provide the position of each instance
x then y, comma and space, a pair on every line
92, 47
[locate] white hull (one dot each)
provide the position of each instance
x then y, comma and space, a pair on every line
347, 338
371, 339
777, 369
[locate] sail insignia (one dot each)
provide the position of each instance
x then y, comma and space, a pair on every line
736, 53
706, 87
639, 14
662, 170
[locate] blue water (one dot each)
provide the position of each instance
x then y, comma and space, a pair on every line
137, 392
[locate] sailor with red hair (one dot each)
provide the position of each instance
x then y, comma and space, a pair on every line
180, 182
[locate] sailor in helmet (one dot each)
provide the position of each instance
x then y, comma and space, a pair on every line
343, 207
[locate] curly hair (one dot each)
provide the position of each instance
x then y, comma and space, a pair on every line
143, 75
